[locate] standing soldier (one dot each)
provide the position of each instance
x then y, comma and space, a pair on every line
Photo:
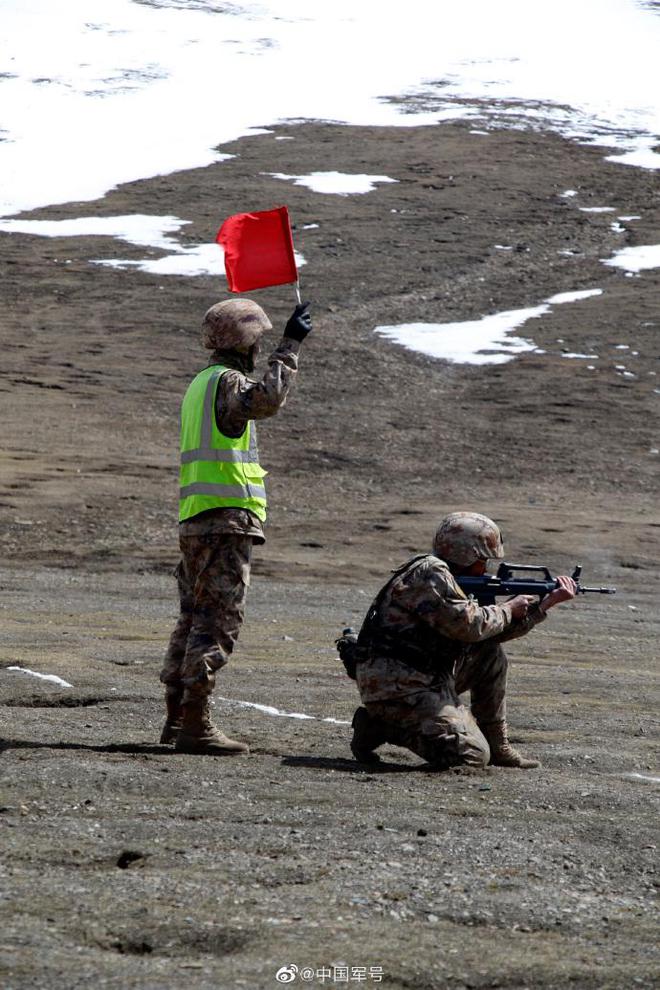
424, 642
222, 505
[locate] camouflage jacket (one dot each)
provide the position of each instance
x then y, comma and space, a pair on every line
424, 623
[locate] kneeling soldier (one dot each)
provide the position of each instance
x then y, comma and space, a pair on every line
424, 642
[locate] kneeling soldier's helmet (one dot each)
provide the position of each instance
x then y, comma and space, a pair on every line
465, 537
234, 325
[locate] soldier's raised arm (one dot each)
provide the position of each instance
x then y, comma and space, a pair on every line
239, 398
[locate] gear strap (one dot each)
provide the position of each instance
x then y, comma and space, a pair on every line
380, 597
350, 648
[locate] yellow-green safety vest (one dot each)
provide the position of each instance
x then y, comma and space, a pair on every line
216, 471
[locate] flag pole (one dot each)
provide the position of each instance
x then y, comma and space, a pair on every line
298, 292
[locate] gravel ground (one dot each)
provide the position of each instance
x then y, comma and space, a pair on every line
134, 867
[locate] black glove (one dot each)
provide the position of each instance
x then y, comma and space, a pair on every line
300, 323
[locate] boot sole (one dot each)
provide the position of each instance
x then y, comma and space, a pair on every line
204, 751
516, 766
194, 748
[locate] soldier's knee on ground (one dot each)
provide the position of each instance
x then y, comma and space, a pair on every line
474, 751
456, 751
450, 741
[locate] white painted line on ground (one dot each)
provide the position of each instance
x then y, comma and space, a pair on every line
53, 678
643, 776
271, 710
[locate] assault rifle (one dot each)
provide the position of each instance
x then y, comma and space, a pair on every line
489, 587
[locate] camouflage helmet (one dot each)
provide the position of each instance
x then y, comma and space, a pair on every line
464, 537
234, 325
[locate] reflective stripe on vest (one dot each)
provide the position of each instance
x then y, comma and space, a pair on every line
216, 471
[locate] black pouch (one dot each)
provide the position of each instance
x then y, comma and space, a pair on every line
349, 652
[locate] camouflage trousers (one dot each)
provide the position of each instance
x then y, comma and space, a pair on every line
213, 578
435, 725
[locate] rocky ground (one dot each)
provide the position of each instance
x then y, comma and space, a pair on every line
128, 866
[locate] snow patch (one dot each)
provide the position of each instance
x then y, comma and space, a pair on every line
635, 259
483, 341
334, 183
94, 98
142, 230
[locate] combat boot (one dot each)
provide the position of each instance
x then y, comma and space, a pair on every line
199, 735
502, 753
368, 734
172, 725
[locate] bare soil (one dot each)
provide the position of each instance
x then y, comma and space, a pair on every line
128, 866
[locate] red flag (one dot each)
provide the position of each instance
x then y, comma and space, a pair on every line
258, 249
